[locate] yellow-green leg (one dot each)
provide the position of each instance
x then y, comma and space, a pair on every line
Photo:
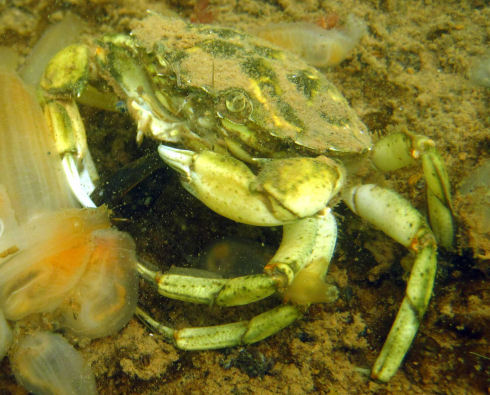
396, 217
401, 149
307, 246
227, 335
305, 251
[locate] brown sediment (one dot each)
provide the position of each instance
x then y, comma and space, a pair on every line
410, 71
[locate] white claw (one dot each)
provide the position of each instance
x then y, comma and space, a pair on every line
222, 183
178, 159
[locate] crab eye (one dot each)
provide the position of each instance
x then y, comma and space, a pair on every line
235, 104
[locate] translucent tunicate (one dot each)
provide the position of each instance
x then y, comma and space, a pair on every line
315, 45
50, 249
105, 298
54, 249
235, 257
46, 364
30, 169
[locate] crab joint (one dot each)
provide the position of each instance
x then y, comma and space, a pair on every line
386, 210
303, 258
227, 335
401, 149
395, 216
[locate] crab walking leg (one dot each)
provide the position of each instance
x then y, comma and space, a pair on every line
65, 78
438, 197
399, 150
227, 335
212, 291
306, 245
303, 257
395, 216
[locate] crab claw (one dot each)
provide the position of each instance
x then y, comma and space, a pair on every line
283, 191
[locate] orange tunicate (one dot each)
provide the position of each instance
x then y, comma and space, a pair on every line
105, 298
55, 256
54, 249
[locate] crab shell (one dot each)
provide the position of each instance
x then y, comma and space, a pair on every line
217, 91
268, 99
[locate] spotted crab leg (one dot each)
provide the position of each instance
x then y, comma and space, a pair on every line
227, 335
396, 217
307, 245
312, 255
300, 265
399, 150
315, 242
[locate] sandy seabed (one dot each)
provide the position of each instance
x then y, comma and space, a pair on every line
415, 69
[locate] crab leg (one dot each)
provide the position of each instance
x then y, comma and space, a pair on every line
307, 247
304, 255
227, 335
66, 123
396, 217
212, 291
399, 150
65, 78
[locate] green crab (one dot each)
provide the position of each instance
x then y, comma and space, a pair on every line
262, 138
